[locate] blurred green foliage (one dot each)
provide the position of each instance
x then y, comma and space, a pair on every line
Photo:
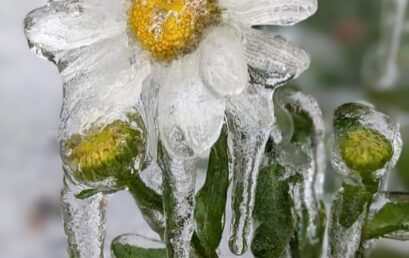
352, 27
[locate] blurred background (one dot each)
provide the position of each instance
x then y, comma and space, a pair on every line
354, 46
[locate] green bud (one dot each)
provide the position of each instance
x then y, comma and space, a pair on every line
106, 153
365, 150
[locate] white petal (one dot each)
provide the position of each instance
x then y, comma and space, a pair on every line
270, 12
273, 60
223, 64
101, 84
70, 24
190, 116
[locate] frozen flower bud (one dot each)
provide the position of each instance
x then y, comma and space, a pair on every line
106, 154
366, 142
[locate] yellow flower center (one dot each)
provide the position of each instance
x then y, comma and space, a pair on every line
365, 150
170, 28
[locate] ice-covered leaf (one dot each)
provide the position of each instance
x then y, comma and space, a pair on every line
149, 202
389, 217
211, 199
347, 219
302, 153
272, 213
136, 246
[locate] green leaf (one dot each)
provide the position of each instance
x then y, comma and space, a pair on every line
87, 193
355, 198
390, 218
301, 244
128, 251
211, 199
272, 213
303, 125
149, 202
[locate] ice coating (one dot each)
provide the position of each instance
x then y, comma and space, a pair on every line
303, 154
343, 242
224, 69
84, 222
277, 12
107, 73
95, 93
190, 116
136, 246
138, 240
358, 127
388, 216
250, 118
62, 26
70, 34
273, 61
365, 116
152, 177
150, 99
178, 197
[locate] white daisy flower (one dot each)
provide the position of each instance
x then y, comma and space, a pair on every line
200, 48
183, 64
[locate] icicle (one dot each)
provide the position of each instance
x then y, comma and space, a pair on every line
84, 222
250, 119
178, 198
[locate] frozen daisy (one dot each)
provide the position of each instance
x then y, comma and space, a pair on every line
131, 68
199, 50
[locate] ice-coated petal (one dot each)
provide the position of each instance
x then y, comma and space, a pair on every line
273, 60
71, 24
101, 84
223, 63
190, 116
270, 12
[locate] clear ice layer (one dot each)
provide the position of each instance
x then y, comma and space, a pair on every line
84, 222
190, 117
278, 12
230, 76
179, 181
302, 153
365, 116
343, 241
250, 118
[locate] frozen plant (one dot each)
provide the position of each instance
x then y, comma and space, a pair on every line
147, 84
366, 146
150, 86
